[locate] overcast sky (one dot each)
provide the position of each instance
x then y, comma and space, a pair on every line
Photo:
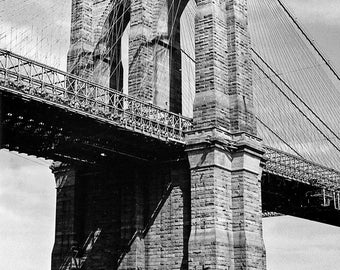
27, 189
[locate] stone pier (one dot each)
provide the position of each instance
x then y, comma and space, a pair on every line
198, 205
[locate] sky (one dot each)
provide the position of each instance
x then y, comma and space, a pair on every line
27, 188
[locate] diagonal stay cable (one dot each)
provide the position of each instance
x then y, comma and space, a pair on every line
321, 54
279, 137
292, 102
294, 93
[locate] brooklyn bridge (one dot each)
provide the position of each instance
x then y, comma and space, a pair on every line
177, 127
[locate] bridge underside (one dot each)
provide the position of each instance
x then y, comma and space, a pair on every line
41, 130
38, 129
297, 199
142, 209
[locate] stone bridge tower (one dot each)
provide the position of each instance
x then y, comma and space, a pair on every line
196, 206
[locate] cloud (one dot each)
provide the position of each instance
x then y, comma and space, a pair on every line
19, 13
316, 11
32, 30
294, 243
27, 212
28, 189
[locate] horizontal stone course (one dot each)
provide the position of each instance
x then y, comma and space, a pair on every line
200, 213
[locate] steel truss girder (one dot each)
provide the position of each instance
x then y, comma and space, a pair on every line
34, 80
302, 170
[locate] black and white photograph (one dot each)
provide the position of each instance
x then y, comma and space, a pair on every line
169, 134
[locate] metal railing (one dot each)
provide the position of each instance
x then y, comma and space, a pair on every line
302, 170
34, 80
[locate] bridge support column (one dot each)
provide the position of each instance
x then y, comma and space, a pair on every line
154, 52
249, 250
66, 228
226, 213
211, 238
223, 150
90, 199
132, 223
79, 58
141, 62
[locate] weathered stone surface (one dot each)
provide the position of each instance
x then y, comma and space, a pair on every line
226, 212
154, 52
239, 68
153, 199
65, 227
79, 58
200, 213
225, 162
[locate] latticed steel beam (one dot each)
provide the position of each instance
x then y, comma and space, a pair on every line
42, 83
296, 168
266, 214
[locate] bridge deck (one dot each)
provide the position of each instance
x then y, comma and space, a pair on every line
34, 80
31, 80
